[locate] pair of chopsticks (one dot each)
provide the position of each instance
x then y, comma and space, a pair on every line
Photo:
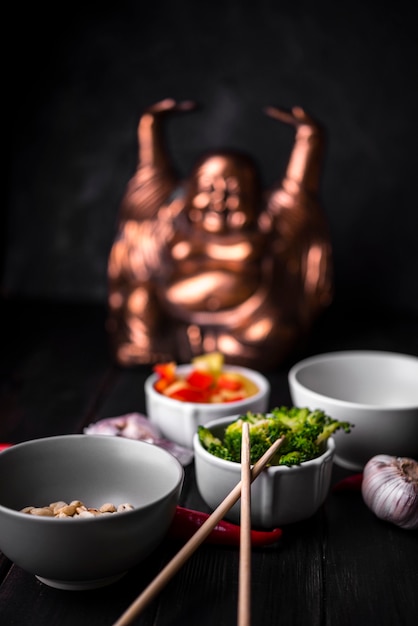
248, 475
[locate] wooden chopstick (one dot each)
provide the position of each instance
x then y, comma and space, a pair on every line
194, 542
244, 589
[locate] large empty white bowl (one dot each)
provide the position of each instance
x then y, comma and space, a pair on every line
376, 391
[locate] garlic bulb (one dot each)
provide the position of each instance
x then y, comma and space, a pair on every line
390, 489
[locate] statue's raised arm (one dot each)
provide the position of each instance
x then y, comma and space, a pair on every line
293, 205
306, 159
154, 180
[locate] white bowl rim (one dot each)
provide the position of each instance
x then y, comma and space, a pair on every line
271, 469
97, 519
257, 377
337, 355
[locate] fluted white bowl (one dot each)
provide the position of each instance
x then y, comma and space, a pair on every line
279, 495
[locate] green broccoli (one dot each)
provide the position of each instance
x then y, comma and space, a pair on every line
262, 430
296, 448
305, 433
330, 427
308, 432
311, 423
212, 444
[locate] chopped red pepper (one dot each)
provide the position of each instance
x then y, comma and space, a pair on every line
166, 371
161, 384
200, 379
236, 398
187, 521
202, 384
190, 394
228, 382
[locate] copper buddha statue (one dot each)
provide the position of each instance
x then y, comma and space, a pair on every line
215, 262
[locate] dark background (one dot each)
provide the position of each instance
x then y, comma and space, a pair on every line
78, 78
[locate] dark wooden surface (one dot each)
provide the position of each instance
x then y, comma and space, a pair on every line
342, 567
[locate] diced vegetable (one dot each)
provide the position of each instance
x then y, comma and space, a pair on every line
201, 380
211, 361
206, 382
227, 381
166, 371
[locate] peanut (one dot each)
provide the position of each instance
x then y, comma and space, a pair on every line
108, 508
125, 507
76, 508
44, 511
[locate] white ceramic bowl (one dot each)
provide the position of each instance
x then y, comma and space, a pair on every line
178, 421
279, 495
83, 553
374, 390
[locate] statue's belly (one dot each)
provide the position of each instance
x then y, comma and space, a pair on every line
210, 291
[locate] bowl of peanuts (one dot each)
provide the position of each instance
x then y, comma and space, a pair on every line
79, 511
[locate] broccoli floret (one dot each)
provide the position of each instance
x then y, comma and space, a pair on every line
330, 427
308, 432
232, 439
305, 433
213, 444
311, 423
263, 431
296, 448
291, 458
293, 418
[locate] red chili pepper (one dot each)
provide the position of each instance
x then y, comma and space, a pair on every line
187, 521
351, 483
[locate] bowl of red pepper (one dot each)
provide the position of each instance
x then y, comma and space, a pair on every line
179, 398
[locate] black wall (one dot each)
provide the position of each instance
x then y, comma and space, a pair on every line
78, 79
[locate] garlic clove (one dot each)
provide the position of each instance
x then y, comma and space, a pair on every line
390, 489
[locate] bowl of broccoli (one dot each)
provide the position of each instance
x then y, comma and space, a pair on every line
293, 486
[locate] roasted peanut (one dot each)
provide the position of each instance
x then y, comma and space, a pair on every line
85, 513
66, 511
57, 505
76, 508
108, 508
44, 511
125, 507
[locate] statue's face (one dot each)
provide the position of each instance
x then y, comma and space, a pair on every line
223, 194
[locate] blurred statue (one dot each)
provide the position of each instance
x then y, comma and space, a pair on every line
215, 262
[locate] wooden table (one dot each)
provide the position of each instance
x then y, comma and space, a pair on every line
341, 567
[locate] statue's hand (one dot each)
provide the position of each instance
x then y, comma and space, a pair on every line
296, 116
169, 104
